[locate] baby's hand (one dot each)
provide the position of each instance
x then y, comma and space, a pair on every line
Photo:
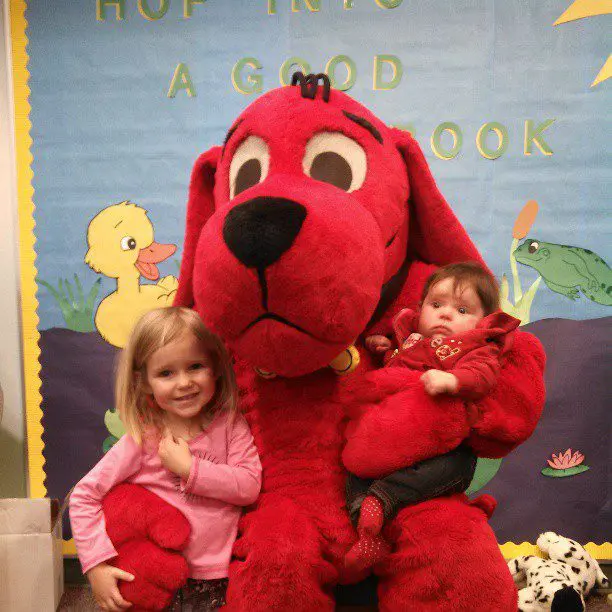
175, 455
436, 382
103, 579
377, 344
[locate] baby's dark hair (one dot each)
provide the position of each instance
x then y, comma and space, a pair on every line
468, 274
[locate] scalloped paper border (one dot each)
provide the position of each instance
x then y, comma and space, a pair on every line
27, 256
601, 552
27, 239
29, 303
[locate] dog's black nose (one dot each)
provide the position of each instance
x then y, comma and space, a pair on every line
259, 231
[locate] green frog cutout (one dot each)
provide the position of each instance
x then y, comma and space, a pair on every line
568, 270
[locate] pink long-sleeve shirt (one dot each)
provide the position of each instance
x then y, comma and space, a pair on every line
225, 475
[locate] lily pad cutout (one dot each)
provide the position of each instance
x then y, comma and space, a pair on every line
553, 473
109, 443
485, 470
113, 423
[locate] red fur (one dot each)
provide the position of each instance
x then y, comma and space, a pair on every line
151, 518
281, 535
509, 415
445, 558
158, 573
406, 427
147, 533
292, 545
487, 503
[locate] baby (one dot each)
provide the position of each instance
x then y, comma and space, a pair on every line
456, 339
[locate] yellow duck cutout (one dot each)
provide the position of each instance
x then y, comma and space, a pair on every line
121, 246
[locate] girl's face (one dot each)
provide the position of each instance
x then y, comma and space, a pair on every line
180, 376
446, 312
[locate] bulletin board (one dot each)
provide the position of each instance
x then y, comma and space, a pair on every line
115, 99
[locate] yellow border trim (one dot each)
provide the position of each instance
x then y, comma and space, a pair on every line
69, 548
597, 551
29, 303
27, 256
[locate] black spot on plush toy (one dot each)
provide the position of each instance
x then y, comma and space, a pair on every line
560, 583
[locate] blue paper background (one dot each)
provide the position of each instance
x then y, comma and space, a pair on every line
105, 131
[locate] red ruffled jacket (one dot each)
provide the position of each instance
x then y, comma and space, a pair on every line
474, 356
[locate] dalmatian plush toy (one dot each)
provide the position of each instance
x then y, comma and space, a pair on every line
559, 583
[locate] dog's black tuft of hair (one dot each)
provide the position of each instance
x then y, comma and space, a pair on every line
309, 84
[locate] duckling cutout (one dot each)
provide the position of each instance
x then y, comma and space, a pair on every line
121, 246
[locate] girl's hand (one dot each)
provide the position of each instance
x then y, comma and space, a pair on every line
175, 455
437, 382
377, 344
103, 579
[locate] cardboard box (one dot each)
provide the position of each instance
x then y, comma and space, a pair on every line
31, 563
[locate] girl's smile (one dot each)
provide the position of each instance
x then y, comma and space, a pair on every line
187, 397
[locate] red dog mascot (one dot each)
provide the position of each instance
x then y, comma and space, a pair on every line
311, 225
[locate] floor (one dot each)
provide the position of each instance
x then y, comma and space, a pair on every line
78, 599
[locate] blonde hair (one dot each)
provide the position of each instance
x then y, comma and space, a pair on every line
153, 331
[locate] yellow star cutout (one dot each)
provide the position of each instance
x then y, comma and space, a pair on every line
589, 8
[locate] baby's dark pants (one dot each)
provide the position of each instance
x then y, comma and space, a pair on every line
449, 473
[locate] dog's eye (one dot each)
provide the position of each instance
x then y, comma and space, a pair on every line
249, 165
334, 158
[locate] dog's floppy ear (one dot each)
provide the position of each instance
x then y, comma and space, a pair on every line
200, 207
436, 236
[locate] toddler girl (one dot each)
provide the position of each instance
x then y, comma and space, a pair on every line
456, 339
185, 442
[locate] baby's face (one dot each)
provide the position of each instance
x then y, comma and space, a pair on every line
446, 312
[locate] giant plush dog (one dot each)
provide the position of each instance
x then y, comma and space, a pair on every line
312, 224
